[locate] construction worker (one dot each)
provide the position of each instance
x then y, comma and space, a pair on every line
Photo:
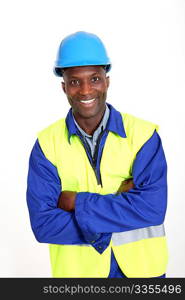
97, 187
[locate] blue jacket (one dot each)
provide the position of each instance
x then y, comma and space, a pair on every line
56, 226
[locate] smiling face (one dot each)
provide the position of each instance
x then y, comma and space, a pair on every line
86, 90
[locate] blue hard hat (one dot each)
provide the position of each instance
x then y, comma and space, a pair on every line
81, 49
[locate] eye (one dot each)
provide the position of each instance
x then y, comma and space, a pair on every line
75, 82
95, 79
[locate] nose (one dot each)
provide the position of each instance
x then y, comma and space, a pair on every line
85, 89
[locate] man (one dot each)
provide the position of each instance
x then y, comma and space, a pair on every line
97, 180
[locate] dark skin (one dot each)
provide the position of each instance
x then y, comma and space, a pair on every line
86, 90
86, 83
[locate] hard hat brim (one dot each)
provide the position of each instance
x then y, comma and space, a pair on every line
58, 70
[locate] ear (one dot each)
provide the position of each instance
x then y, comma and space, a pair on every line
107, 81
63, 86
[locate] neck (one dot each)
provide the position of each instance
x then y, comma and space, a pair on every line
89, 125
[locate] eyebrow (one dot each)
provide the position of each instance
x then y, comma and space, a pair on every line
77, 77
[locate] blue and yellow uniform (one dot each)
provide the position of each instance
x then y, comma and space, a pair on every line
129, 224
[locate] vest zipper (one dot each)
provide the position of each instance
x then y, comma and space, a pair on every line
95, 156
93, 160
98, 178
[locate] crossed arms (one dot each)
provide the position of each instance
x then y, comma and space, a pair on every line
78, 218
67, 199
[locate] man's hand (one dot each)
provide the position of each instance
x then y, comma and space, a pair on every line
125, 186
66, 200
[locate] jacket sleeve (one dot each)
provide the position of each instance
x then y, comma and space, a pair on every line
49, 223
142, 206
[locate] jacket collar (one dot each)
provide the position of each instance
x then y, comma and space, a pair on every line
114, 124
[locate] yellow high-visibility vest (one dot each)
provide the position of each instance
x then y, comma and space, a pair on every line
139, 253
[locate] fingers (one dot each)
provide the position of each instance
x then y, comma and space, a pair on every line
126, 186
66, 200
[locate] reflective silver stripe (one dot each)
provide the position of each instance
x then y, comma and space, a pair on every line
120, 238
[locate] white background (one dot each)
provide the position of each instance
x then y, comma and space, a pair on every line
146, 43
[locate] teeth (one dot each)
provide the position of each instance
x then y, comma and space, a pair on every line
87, 101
